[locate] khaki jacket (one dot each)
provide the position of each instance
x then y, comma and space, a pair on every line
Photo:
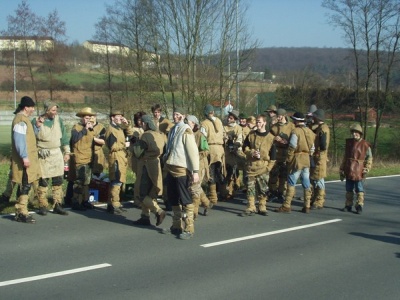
17, 165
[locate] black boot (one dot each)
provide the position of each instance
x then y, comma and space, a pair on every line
59, 210
143, 221
4, 199
42, 211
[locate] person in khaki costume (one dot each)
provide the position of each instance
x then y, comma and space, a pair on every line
24, 159
82, 139
164, 125
99, 158
233, 143
148, 150
116, 135
301, 146
51, 138
213, 130
182, 162
319, 159
199, 197
260, 156
356, 164
137, 133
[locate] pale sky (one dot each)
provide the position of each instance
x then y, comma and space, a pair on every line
275, 23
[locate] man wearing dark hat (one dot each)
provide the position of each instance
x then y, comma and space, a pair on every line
182, 163
301, 146
278, 175
233, 143
82, 139
319, 159
117, 134
148, 150
356, 163
54, 152
213, 130
24, 160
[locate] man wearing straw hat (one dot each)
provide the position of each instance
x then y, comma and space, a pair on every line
82, 139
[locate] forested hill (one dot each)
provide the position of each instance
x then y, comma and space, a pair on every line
321, 60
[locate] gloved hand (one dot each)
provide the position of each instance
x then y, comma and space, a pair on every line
342, 175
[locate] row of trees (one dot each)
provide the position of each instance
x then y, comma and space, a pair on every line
196, 46
189, 48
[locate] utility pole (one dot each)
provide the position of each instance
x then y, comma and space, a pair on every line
237, 57
15, 83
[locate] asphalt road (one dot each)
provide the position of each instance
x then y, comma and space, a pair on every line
327, 254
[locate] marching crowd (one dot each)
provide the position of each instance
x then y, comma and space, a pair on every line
187, 162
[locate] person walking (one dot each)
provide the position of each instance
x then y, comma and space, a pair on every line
54, 153
116, 136
25, 167
182, 163
233, 143
260, 154
319, 159
199, 197
301, 146
213, 130
148, 149
356, 163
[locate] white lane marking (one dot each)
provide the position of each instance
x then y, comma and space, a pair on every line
56, 274
255, 236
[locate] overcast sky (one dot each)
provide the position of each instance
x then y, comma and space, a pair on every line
275, 23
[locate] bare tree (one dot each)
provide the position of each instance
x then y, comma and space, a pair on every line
53, 27
371, 27
25, 24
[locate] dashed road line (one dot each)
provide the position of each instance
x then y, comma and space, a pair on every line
255, 236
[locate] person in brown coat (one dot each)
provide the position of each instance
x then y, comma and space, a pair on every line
198, 195
116, 136
356, 164
213, 130
24, 158
260, 157
148, 149
301, 146
233, 143
82, 139
319, 159
281, 131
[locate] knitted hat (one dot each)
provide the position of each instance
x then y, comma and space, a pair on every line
298, 116
356, 127
311, 110
179, 109
271, 108
148, 120
243, 116
47, 105
193, 119
319, 114
26, 102
281, 112
208, 109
